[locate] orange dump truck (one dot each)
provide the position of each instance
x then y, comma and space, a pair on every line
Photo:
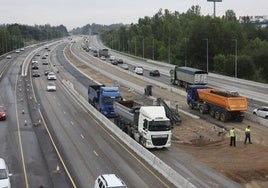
221, 105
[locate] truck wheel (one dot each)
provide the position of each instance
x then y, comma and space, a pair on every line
240, 119
223, 117
217, 115
202, 109
212, 113
191, 105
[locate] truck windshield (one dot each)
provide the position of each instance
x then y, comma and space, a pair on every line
110, 100
159, 126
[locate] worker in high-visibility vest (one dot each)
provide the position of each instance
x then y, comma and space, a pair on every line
232, 137
247, 133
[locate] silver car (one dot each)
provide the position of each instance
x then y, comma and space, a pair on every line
261, 111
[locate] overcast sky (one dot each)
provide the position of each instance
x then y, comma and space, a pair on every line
77, 13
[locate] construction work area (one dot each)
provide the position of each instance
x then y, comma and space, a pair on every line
204, 139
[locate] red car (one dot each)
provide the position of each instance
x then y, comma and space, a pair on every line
2, 113
114, 62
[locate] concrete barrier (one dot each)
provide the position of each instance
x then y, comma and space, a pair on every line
154, 161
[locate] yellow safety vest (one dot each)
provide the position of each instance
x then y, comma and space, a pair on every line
247, 130
232, 133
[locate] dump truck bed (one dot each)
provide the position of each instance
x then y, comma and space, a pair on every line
224, 99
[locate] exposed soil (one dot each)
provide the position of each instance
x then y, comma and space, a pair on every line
245, 164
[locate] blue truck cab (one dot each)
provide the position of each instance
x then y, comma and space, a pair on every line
192, 95
102, 98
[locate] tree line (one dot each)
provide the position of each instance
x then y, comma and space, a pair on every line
14, 36
224, 45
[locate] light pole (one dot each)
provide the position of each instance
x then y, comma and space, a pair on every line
214, 5
185, 58
153, 49
207, 53
169, 50
235, 57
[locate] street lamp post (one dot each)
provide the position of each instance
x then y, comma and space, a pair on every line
185, 54
207, 52
235, 57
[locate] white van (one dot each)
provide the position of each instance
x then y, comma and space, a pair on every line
4, 175
138, 70
108, 181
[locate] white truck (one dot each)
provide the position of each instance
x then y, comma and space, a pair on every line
148, 125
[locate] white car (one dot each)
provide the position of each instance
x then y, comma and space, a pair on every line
112, 57
4, 175
34, 62
138, 70
9, 57
51, 76
103, 58
262, 112
109, 181
51, 86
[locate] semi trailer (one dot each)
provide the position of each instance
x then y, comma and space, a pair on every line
222, 105
148, 125
184, 76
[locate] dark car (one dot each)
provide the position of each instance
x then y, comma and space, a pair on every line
154, 73
44, 57
46, 72
36, 73
120, 61
35, 67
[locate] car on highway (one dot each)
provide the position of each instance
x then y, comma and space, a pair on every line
103, 58
3, 113
36, 73
44, 57
261, 112
17, 51
51, 86
8, 56
124, 66
4, 174
46, 72
154, 73
34, 62
109, 181
138, 70
114, 62
44, 63
112, 57
120, 61
35, 66
51, 76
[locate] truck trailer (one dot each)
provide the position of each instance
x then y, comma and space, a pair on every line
184, 76
103, 52
102, 98
148, 125
222, 105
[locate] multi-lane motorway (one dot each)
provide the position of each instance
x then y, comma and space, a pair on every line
49, 130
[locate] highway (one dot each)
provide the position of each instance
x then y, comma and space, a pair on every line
60, 131
173, 156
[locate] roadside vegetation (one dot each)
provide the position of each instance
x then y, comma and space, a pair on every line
15, 36
185, 39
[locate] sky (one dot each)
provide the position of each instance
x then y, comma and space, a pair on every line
78, 13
